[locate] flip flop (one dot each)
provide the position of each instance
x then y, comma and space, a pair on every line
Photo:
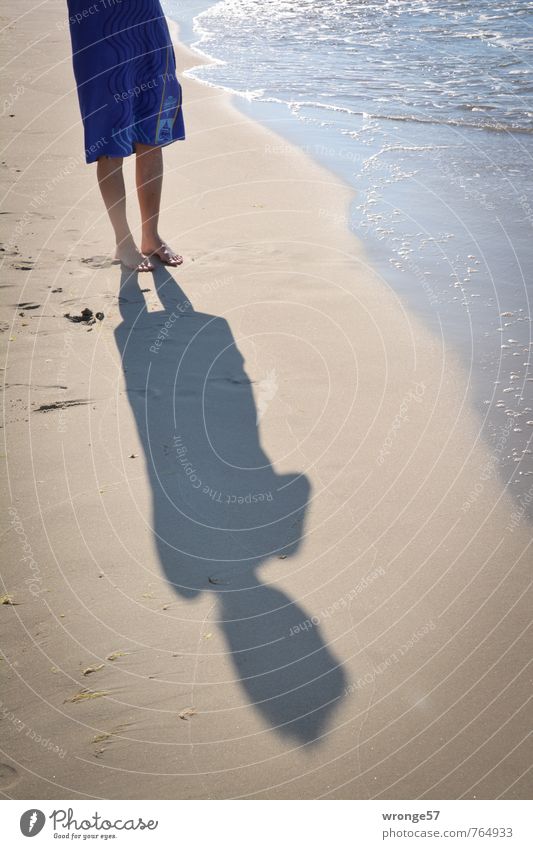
165, 249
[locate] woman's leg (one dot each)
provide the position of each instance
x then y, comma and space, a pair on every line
111, 182
149, 171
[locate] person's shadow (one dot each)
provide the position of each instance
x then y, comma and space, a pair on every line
219, 508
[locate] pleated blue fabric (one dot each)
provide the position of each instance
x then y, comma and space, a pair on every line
125, 71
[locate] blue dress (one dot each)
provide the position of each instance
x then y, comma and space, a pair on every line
125, 70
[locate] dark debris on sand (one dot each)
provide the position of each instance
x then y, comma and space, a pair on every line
87, 316
60, 405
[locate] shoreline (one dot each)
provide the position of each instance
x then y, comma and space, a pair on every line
461, 291
144, 684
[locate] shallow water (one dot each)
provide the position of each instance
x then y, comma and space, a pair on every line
426, 109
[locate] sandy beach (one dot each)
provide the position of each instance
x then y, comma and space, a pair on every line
254, 545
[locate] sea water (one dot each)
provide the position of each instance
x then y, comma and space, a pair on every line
426, 109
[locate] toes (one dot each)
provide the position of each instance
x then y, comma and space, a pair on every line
145, 265
170, 256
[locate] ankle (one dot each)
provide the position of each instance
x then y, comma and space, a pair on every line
151, 238
124, 240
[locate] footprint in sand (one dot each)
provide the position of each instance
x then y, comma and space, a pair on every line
99, 261
8, 775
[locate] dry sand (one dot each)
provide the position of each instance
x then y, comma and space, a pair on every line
363, 634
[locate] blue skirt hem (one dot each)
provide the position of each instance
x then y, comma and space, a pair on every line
116, 153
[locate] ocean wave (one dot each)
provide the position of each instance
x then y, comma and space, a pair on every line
432, 61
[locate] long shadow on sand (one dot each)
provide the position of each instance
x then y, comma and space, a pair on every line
219, 508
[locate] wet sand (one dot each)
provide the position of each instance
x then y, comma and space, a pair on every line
254, 542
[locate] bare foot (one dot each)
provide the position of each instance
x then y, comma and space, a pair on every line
130, 256
162, 251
